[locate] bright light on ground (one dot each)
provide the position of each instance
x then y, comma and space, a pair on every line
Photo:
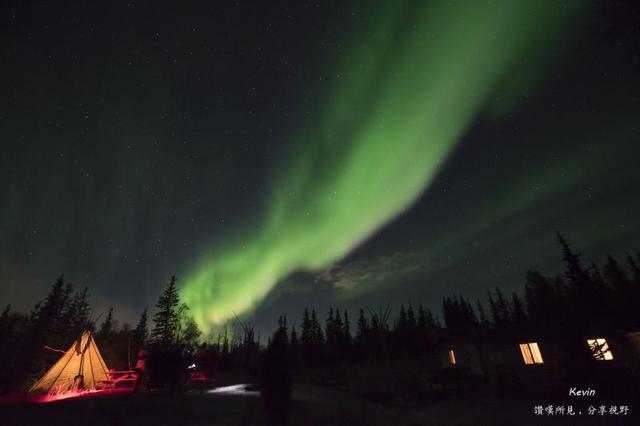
239, 389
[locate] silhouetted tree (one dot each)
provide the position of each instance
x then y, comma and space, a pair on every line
422, 319
294, 345
541, 299
307, 337
191, 333
46, 315
402, 323
276, 376
330, 329
625, 294
499, 308
363, 326
635, 268
411, 318
316, 330
601, 298
363, 332
468, 314
482, 316
77, 314
574, 271
167, 317
338, 329
5, 332
346, 335
107, 326
458, 312
518, 315
44, 329
432, 322
140, 333
580, 289
4, 318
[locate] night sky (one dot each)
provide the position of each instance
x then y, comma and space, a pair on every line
288, 154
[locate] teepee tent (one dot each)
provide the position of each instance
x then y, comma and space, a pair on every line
81, 367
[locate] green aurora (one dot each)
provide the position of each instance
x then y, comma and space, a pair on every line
409, 86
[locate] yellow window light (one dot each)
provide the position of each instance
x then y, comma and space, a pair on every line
531, 353
452, 357
600, 349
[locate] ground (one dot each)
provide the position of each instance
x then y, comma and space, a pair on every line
311, 406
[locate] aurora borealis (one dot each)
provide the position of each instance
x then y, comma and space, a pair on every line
399, 108
275, 158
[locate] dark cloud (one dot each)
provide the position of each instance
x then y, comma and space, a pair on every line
359, 277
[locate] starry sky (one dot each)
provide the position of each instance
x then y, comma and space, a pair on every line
281, 155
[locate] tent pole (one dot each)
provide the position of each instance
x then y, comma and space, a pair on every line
58, 376
93, 377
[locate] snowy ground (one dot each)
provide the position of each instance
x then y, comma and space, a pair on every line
241, 405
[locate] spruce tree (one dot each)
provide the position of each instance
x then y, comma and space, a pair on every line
107, 326
635, 268
5, 315
580, 286
330, 328
294, 337
468, 315
411, 318
482, 316
46, 315
617, 276
167, 317
283, 328
191, 333
280, 337
69, 316
81, 311
225, 345
338, 329
600, 298
4, 326
307, 334
517, 310
346, 330
541, 299
402, 320
362, 332
447, 312
60, 326
432, 322
422, 319
318, 336
493, 308
436, 323
140, 333
501, 306
362, 339
293, 345
625, 295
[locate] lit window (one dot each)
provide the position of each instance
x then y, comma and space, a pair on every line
452, 357
600, 349
531, 353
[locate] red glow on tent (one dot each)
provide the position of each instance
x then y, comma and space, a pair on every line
84, 393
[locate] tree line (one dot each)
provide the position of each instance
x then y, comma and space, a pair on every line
584, 298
